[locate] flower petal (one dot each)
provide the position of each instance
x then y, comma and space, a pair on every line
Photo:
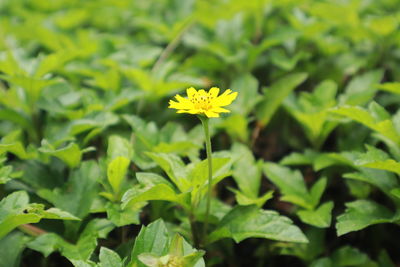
225, 99
211, 114
201, 92
182, 103
190, 111
214, 91
219, 110
191, 92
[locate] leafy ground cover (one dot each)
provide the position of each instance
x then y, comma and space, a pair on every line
95, 170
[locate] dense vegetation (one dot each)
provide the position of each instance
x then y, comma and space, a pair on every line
95, 170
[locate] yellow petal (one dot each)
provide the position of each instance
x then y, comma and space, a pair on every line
182, 103
214, 91
219, 110
225, 99
202, 92
190, 111
191, 92
211, 114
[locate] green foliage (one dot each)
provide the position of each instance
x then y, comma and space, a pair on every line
306, 165
155, 246
249, 221
16, 210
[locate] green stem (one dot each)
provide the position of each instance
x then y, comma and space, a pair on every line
193, 227
204, 121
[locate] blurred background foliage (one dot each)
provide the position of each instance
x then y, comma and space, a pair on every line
84, 82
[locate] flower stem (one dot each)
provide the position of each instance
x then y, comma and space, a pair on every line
204, 121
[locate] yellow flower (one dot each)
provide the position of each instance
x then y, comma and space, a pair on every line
202, 102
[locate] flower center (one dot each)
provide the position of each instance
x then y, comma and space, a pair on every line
201, 101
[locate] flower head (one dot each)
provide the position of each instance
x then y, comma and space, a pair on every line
202, 102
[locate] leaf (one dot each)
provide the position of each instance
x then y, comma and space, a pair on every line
311, 111
290, 183
244, 200
17, 118
121, 217
6, 174
109, 258
387, 165
361, 214
153, 238
361, 88
173, 167
246, 171
244, 222
383, 180
384, 127
393, 87
198, 172
349, 256
119, 146
116, 172
154, 244
81, 250
236, 126
11, 247
317, 190
71, 154
82, 188
15, 210
247, 87
32, 86
320, 217
157, 192
11, 143
275, 95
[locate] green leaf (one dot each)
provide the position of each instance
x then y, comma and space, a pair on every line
154, 245
153, 238
311, 111
247, 87
121, 217
246, 171
393, 87
119, 147
198, 172
349, 256
11, 143
387, 165
361, 88
275, 95
243, 199
15, 210
322, 262
7, 174
109, 258
157, 192
236, 126
383, 180
82, 187
82, 249
116, 172
291, 184
361, 214
320, 217
71, 154
385, 127
11, 247
317, 190
251, 222
32, 86
173, 167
